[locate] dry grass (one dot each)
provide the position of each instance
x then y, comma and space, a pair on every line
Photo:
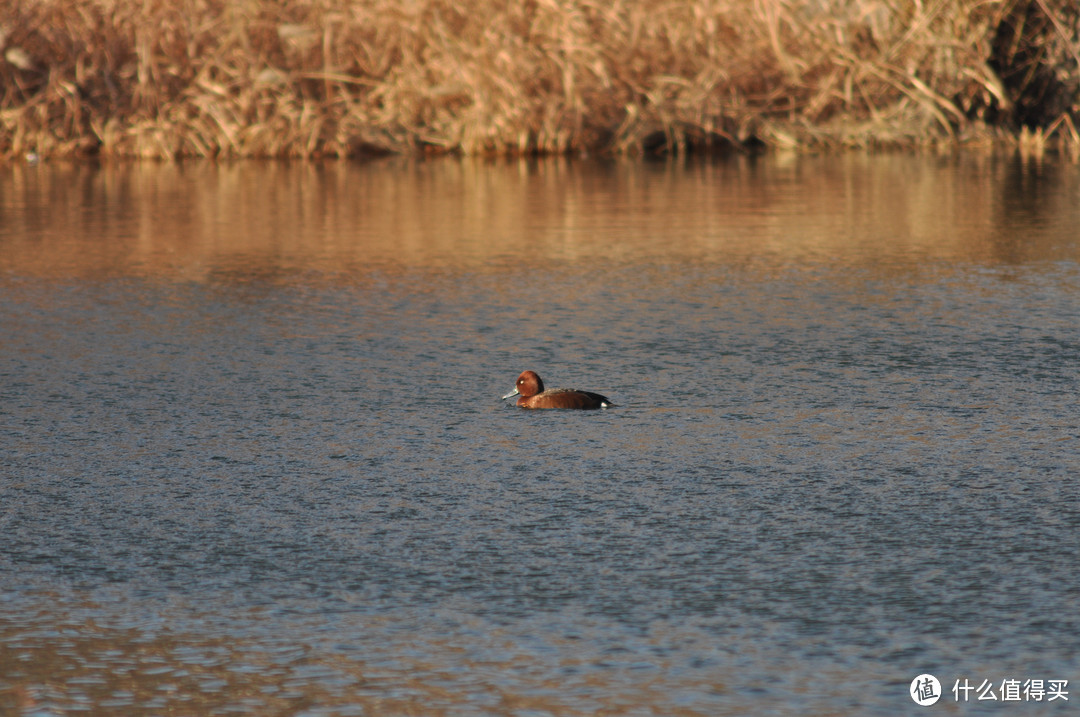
231, 78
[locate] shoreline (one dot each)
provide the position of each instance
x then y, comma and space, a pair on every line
215, 79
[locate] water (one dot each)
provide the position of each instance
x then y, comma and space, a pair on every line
254, 461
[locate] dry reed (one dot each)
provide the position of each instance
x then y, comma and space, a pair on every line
255, 78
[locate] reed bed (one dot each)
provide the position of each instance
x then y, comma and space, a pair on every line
310, 78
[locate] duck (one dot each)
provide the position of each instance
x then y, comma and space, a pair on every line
530, 388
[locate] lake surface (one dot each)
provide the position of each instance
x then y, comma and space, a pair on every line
253, 460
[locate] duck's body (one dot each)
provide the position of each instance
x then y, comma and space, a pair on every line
531, 389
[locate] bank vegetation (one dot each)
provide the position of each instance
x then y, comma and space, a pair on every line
311, 78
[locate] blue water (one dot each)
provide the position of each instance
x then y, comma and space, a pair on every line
235, 480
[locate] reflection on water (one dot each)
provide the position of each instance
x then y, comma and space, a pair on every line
254, 460
155, 669
200, 221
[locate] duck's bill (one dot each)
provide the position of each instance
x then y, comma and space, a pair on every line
512, 393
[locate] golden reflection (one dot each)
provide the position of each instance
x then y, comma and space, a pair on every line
67, 663
72, 665
281, 221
